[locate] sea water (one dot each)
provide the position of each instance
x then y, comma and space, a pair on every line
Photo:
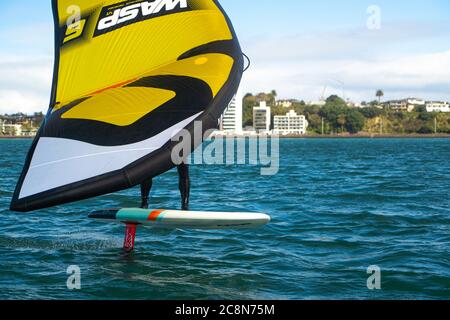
339, 208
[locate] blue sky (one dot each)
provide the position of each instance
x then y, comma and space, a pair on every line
300, 48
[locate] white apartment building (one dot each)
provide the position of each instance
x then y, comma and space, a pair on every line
291, 123
10, 129
231, 121
261, 118
437, 106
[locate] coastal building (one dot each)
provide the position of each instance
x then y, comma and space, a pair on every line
285, 103
231, 122
261, 118
352, 104
437, 106
404, 105
10, 129
291, 123
29, 131
319, 103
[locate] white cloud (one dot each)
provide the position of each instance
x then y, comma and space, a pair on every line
26, 64
357, 61
25, 83
12, 101
424, 75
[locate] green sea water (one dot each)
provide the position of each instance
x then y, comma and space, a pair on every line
338, 207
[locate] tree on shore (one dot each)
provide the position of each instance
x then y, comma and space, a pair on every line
341, 121
336, 101
315, 122
333, 109
354, 121
273, 97
379, 95
371, 112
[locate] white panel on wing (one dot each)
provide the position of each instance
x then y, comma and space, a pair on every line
59, 162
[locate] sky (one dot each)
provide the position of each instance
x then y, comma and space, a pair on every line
303, 49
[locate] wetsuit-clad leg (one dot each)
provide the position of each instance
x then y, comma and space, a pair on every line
146, 187
185, 185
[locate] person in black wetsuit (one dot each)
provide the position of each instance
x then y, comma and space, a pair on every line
184, 185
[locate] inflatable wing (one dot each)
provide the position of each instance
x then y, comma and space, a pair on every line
128, 76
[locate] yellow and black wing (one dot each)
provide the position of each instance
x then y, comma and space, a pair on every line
128, 74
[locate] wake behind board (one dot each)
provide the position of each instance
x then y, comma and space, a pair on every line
183, 219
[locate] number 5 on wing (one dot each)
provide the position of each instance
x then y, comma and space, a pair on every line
74, 30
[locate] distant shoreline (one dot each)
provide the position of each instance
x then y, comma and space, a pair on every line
16, 138
307, 136
349, 136
371, 136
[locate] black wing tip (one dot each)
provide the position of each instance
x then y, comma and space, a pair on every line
18, 206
